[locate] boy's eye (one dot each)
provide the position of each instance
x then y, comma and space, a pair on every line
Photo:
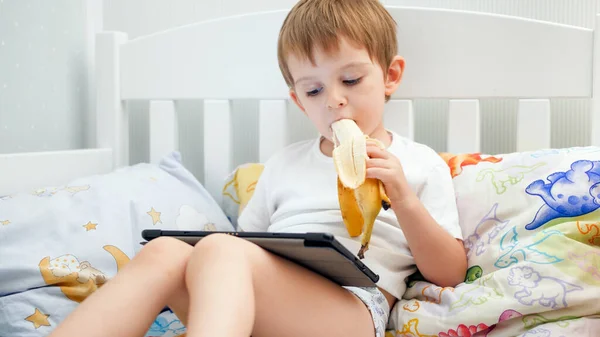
314, 92
352, 82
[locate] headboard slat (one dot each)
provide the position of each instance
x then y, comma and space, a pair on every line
533, 125
272, 128
164, 129
464, 126
217, 145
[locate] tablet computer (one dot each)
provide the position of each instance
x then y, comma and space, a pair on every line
319, 252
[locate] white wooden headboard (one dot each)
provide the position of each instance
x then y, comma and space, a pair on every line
462, 56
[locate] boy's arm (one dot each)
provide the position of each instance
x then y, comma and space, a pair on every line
440, 257
428, 217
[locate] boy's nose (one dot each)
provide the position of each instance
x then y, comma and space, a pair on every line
336, 101
337, 105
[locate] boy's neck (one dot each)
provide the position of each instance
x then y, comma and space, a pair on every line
381, 134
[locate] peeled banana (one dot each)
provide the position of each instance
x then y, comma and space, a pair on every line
360, 198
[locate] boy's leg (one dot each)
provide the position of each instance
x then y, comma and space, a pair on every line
238, 289
128, 304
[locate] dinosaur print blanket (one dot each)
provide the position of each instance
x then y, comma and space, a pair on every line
531, 223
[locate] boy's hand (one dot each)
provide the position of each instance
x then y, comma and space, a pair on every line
386, 167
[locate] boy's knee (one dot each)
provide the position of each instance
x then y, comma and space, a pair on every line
219, 243
226, 246
166, 251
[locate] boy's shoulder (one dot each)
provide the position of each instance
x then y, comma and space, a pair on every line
403, 144
293, 152
414, 153
281, 161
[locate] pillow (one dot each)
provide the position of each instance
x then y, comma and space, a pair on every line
531, 223
59, 244
238, 189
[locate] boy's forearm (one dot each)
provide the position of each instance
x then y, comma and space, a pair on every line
441, 258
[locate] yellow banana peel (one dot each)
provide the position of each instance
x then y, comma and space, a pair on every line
360, 198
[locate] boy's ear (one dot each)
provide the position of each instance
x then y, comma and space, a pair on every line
296, 100
394, 75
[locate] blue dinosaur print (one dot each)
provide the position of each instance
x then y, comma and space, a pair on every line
517, 251
568, 194
166, 327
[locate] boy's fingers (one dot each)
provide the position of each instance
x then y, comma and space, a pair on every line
374, 151
374, 172
377, 162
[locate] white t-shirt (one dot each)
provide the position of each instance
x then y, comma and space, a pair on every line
297, 192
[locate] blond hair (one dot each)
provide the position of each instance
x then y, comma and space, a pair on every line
320, 23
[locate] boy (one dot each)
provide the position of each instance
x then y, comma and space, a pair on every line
339, 59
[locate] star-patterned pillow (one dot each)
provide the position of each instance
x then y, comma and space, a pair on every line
60, 244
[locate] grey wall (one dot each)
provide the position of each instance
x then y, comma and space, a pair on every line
43, 75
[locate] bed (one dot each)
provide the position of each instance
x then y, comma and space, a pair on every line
70, 220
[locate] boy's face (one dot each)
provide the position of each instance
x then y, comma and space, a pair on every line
345, 84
